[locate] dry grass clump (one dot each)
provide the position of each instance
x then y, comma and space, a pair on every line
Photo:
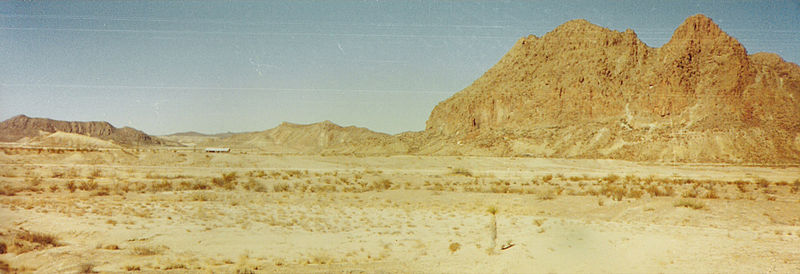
690, 203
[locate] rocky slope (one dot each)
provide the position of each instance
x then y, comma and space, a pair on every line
22, 126
584, 91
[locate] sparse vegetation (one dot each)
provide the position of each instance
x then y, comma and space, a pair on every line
690, 203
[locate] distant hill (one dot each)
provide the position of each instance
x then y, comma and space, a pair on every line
584, 91
323, 137
22, 126
193, 138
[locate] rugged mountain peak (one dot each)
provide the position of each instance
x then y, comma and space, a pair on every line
698, 27
699, 33
586, 91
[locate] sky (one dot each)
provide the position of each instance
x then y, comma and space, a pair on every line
236, 66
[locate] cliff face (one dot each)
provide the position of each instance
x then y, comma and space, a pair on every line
21, 126
589, 92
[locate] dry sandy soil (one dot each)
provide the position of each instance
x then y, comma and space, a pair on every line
186, 211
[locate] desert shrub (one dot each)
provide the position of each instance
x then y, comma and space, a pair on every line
88, 185
280, 187
380, 185
461, 171
611, 178
53, 188
499, 189
690, 193
322, 188
33, 181
658, 191
186, 185
226, 181
203, 196
3, 248
741, 185
635, 193
95, 173
293, 173
614, 192
547, 178
38, 237
796, 186
762, 183
771, 198
454, 247
71, 186
146, 250
690, 203
86, 268
164, 185
132, 268
257, 173
101, 191
252, 185
548, 194
711, 194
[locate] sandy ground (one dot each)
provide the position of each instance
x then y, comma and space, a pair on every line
185, 211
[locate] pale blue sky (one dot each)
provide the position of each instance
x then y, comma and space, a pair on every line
171, 66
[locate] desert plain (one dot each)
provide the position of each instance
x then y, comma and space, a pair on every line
188, 211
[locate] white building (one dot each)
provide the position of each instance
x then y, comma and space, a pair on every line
218, 150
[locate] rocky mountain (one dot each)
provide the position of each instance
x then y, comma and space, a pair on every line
323, 137
584, 91
22, 126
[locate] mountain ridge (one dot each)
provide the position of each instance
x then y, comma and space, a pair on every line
22, 126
